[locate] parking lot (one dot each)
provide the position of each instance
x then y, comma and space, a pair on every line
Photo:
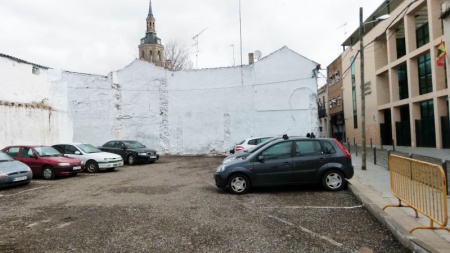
173, 206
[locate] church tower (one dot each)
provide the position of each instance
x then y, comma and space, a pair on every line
150, 48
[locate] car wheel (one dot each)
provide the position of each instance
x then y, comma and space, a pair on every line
48, 173
333, 180
92, 166
131, 159
238, 184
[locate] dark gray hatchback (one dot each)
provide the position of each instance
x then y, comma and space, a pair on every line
288, 161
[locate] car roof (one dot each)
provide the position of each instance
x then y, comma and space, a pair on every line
27, 146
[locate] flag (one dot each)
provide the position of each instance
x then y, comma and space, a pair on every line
441, 53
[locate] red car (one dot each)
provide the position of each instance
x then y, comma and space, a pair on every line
45, 161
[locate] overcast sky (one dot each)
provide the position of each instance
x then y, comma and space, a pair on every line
99, 36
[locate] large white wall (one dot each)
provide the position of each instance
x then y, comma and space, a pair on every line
33, 110
195, 111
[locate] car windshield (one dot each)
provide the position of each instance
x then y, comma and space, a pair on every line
133, 144
4, 157
88, 148
47, 151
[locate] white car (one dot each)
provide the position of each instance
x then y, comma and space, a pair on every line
249, 143
93, 158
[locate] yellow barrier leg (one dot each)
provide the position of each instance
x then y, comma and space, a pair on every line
400, 205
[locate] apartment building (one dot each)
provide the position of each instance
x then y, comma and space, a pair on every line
405, 90
322, 109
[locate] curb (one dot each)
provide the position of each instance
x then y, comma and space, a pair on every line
401, 233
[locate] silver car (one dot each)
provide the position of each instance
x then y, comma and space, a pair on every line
94, 159
13, 172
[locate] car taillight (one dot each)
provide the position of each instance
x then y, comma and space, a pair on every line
239, 148
347, 154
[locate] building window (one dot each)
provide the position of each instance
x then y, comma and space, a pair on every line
355, 111
159, 56
401, 47
402, 82
427, 110
422, 35
151, 56
425, 82
339, 101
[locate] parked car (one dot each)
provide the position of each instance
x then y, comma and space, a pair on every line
287, 161
247, 152
13, 172
94, 159
131, 151
249, 143
45, 161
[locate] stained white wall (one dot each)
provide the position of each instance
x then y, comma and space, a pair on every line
33, 110
196, 111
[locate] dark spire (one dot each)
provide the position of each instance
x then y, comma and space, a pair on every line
150, 12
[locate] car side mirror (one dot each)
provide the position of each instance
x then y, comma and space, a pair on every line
77, 152
261, 158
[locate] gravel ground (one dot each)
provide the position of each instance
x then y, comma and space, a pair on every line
173, 206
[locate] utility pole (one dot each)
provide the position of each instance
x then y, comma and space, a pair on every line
240, 38
363, 90
196, 44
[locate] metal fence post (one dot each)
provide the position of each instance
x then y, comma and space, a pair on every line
393, 145
444, 166
370, 142
348, 144
375, 155
388, 155
356, 149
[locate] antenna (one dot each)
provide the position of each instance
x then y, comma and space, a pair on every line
234, 62
345, 30
196, 44
257, 54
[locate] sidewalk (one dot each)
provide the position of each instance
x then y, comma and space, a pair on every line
372, 187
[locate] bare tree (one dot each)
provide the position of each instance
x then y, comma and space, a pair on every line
177, 56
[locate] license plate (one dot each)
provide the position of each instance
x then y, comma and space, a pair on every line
20, 178
153, 156
77, 168
115, 165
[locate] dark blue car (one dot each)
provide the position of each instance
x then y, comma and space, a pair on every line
288, 161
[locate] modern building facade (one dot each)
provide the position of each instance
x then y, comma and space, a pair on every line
151, 49
406, 92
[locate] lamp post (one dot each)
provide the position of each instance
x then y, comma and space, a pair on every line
363, 88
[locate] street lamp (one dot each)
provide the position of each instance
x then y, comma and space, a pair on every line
363, 92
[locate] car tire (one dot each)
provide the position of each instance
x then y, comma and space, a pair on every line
91, 166
48, 173
131, 159
333, 180
238, 184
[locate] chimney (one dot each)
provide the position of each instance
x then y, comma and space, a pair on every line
251, 60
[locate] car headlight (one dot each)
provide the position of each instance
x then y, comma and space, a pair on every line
63, 164
221, 168
3, 174
29, 171
142, 154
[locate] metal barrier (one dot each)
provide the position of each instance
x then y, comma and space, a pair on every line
422, 187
